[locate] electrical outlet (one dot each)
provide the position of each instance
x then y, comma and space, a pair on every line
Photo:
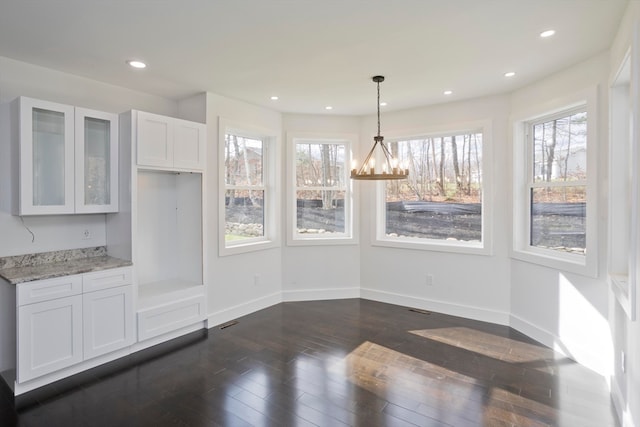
86, 234
429, 280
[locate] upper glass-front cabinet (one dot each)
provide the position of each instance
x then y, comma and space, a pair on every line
68, 159
96, 153
46, 157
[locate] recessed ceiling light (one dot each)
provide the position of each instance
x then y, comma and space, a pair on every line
136, 64
448, 92
383, 104
328, 107
274, 98
547, 33
510, 74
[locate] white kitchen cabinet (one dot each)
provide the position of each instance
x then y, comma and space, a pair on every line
49, 336
108, 320
68, 159
170, 143
108, 312
64, 321
96, 161
46, 151
165, 223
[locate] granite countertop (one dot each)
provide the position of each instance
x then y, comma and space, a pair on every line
46, 265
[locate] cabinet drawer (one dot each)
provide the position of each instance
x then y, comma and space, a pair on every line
44, 290
159, 320
106, 279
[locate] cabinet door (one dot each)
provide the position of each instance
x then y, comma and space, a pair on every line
49, 336
108, 320
96, 161
46, 157
189, 142
154, 140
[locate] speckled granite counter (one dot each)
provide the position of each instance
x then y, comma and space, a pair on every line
26, 268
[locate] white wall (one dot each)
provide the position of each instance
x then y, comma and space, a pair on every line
563, 310
231, 278
328, 271
474, 286
56, 232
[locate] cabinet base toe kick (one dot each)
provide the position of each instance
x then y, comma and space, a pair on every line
162, 319
62, 374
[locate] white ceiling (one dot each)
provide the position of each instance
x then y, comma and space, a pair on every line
311, 53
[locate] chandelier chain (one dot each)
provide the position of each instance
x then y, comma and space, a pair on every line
378, 108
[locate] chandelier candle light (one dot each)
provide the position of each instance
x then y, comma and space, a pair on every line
390, 167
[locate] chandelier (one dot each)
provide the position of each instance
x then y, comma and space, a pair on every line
390, 169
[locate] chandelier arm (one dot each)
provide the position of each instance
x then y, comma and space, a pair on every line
387, 154
366, 160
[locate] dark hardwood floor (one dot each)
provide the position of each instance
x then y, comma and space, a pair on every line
331, 363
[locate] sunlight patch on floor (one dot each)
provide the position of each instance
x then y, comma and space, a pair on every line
387, 372
501, 348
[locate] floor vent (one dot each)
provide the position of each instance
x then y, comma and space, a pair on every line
228, 324
417, 310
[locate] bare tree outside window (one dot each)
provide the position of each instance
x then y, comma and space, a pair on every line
559, 183
244, 188
442, 197
321, 187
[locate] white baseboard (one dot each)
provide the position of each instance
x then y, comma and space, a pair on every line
580, 355
466, 311
320, 294
617, 398
542, 336
620, 405
231, 313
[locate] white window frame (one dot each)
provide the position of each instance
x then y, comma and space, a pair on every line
485, 246
270, 177
587, 264
624, 179
350, 236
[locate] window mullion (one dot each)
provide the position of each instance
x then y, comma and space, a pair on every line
245, 187
306, 188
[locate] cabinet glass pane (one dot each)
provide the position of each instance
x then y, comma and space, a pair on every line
96, 161
48, 158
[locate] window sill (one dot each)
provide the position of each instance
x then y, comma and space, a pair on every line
624, 293
246, 247
565, 262
473, 248
341, 240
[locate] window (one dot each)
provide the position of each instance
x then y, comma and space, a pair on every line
320, 196
554, 191
248, 219
443, 203
558, 183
